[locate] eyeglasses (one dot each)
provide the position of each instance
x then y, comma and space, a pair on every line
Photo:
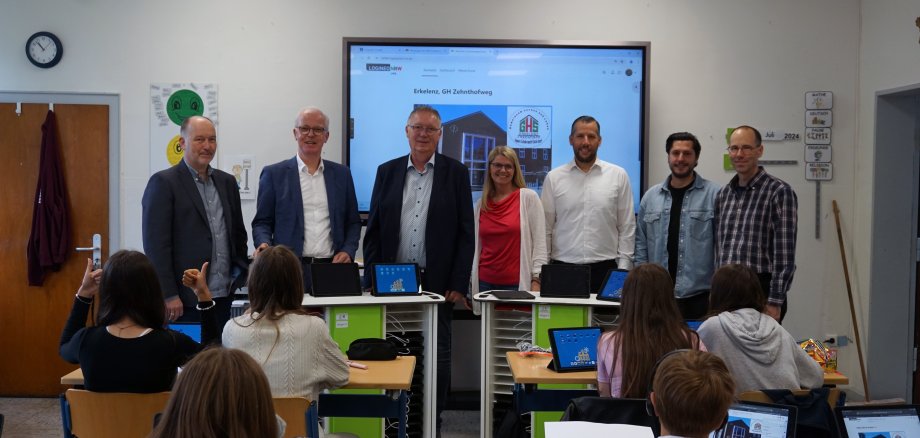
735, 150
499, 166
425, 129
307, 130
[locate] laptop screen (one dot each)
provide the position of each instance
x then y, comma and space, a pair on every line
190, 329
879, 421
613, 285
694, 324
762, 420
395, 278
574, 349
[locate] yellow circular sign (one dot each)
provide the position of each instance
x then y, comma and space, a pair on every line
174, 151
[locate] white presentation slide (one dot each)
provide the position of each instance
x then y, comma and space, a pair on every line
523, 97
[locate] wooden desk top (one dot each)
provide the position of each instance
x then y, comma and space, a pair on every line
532, 369
380, 374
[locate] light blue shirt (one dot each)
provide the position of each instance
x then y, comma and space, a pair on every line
413, 221
695, 256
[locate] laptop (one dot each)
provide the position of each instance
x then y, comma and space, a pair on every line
574, 349
758, 420
896, 421
190, 329
565, 281
335, 279
694, 324
394, 279
612, 287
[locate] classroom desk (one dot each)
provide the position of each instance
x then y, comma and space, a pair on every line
393, 376
353, 317
503, 328
528, 371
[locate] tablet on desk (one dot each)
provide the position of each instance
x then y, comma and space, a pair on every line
612, 287
762, 420
565, 281
574, 349
394, 279
190, 329
335, 279
896, 421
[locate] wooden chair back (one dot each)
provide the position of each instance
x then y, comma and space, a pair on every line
293, 410
111, 414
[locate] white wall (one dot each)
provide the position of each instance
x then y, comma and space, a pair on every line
715, 64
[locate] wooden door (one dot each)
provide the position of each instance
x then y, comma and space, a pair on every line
31, 318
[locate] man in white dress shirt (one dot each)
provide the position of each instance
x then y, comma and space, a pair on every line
590, 219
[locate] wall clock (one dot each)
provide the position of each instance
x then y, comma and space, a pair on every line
44, 49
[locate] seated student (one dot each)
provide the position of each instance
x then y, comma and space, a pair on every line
650, 325
294, 348
222, 392
760, 353
129, 350
510, 229
691, 394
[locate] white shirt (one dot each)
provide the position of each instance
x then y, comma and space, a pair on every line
317, 230
589, 216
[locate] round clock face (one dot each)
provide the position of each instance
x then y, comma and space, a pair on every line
44, 49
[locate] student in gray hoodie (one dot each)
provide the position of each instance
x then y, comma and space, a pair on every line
760, 353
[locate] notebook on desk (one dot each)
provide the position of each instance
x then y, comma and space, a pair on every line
612, 287
565, 281
897, 421
394, 279
574, 349
335, 279
761, 420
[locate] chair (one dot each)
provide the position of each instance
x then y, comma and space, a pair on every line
611, 411
299, 414
90, 414
815, 408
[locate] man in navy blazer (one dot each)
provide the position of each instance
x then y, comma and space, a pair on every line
192, 215
422, 212
308, 204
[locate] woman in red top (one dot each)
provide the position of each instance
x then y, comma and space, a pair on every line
510, 229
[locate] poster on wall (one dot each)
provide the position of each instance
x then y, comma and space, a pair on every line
240, 166
170, 105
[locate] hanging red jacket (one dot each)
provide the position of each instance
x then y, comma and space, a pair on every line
49, 241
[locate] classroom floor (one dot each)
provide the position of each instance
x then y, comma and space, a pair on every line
41, 418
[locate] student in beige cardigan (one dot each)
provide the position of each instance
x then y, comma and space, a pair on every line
293, 348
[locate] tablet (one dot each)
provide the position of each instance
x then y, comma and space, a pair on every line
335, 279
190, 329
565, 281
574, 349
694, 324
895, 421
612, 287
762, 420
393, 279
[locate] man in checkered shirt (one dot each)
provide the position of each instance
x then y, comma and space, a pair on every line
755, 221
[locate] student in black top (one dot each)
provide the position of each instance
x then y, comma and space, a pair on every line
129, 350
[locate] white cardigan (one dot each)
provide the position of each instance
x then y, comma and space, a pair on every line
533, 241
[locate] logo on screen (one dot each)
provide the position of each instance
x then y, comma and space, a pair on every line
383, 67
529, 126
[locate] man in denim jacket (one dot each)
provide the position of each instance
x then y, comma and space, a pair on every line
674, 227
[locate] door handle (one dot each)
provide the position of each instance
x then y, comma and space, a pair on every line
96, 249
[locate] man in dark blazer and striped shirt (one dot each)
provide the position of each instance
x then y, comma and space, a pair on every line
422, 212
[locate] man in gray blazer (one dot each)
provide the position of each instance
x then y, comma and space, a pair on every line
192, 215
306, 203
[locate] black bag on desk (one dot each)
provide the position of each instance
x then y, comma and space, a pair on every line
371, 349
